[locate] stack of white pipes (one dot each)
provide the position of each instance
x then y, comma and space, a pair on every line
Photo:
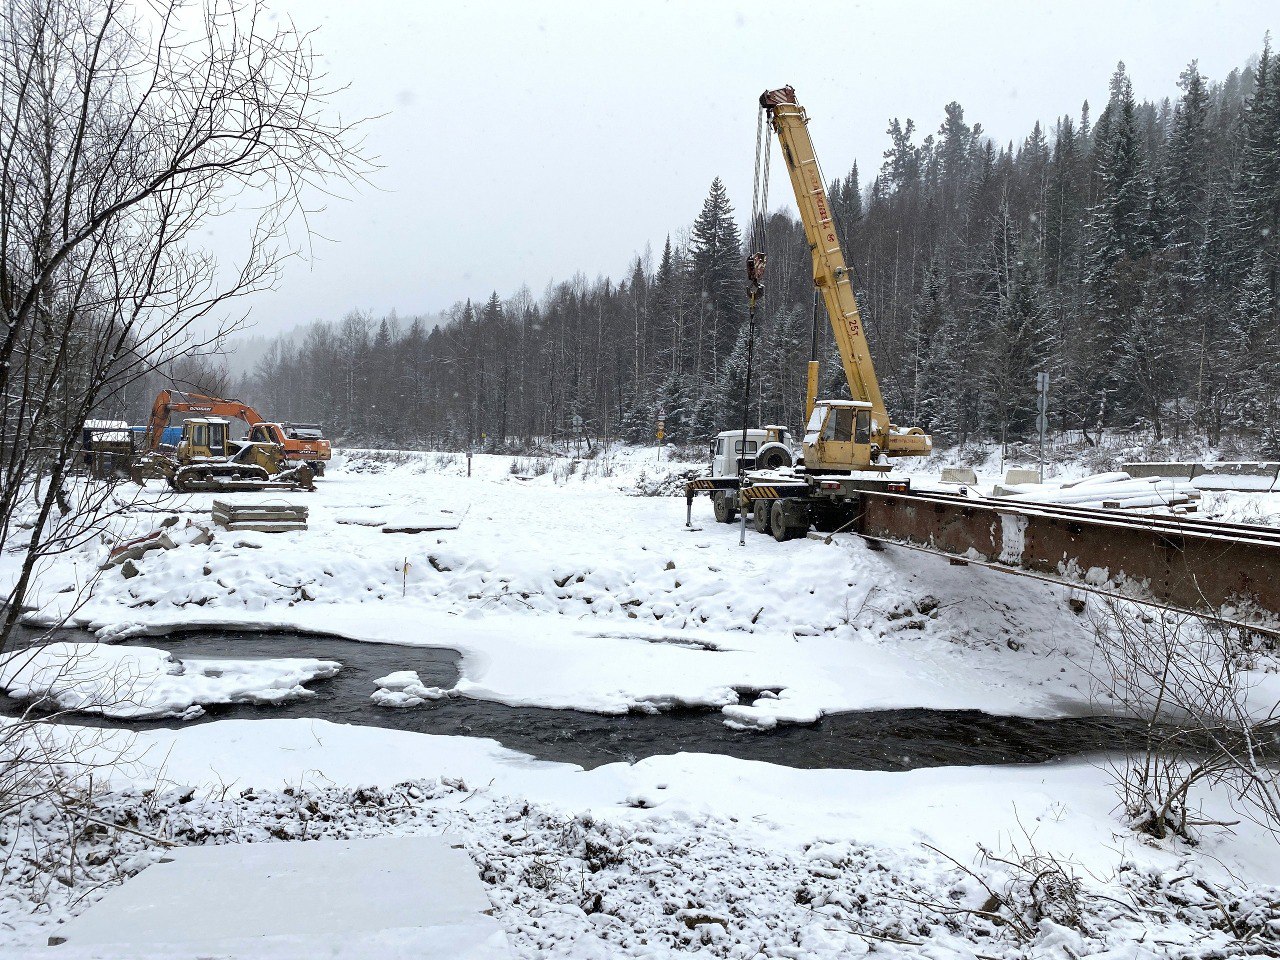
1112, 489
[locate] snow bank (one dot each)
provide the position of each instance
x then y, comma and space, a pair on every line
147, 682
404, 688
725, 857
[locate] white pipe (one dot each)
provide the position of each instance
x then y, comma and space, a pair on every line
1114, 477
1134, 502
1108, 492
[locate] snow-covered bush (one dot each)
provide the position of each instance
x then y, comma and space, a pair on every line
1206, 720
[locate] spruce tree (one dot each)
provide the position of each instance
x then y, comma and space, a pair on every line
716, 268
1258, 189
1187, 173
1064, 205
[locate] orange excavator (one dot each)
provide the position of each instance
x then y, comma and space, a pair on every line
207, 459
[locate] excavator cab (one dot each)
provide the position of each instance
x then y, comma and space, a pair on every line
837, 438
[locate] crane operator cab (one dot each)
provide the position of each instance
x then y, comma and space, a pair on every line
837, 438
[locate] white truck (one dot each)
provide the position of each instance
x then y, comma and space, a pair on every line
767, 448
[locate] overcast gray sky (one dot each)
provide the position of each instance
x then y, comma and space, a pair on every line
522, 142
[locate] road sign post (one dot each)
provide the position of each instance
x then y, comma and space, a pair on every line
661, 431
1042, 413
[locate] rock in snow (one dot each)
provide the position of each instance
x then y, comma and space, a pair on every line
147, 682
404, 688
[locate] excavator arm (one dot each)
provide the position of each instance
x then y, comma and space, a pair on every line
169, 402
831, 275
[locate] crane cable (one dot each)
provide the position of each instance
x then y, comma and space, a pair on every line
755, 276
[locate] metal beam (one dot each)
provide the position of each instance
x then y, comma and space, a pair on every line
1197, 566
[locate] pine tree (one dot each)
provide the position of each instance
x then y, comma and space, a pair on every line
901, 166
1187, 173
1064, 205
846, 207
1118, 239
1118, 221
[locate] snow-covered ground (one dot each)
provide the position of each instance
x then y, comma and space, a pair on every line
563, 591
562, 587
674, 853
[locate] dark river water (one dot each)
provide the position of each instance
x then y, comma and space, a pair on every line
868, 740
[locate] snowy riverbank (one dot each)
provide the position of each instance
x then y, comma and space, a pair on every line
687, 852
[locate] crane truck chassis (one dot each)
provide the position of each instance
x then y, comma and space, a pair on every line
787, 505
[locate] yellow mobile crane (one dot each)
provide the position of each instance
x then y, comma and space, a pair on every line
838, 437
845, 441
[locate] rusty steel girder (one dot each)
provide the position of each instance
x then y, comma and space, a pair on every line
1198, 566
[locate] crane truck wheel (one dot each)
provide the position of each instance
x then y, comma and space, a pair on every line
724, 509
783, 522
774, 456
760, 515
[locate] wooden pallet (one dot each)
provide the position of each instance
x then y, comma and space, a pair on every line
260, 517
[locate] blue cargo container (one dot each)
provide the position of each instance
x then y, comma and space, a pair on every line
170, 437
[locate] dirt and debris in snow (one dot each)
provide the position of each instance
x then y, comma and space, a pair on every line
575, 885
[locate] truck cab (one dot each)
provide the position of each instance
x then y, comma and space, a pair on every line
764, 449
203, 438
301, 442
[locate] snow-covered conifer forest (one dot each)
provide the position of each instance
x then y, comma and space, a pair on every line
1130, 248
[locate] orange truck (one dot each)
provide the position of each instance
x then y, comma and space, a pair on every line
301, 442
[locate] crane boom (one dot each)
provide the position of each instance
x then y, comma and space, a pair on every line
831, 275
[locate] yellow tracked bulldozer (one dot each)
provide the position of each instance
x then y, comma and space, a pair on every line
206, 459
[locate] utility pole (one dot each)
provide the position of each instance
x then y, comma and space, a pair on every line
1042, 414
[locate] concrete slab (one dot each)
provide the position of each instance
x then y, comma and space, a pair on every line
411, 520
385, 897
1016, 476
1178, 470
